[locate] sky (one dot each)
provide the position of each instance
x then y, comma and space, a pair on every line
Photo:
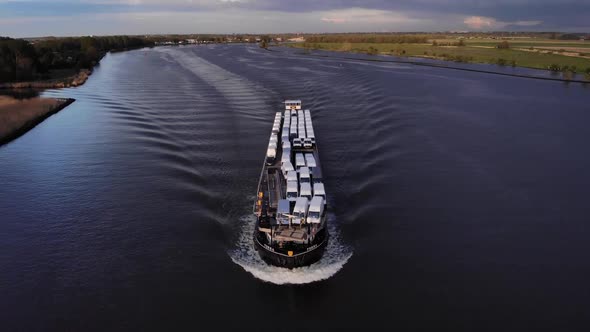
37, 18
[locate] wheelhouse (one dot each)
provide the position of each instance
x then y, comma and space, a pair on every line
293, 104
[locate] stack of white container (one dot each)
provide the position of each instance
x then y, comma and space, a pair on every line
309, 127
286, 127
271, 151
298, 168
293, 127
298, 140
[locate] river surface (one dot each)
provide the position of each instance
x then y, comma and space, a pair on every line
458, 200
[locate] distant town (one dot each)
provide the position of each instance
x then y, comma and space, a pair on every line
227, 39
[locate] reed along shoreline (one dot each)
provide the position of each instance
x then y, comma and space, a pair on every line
19, 116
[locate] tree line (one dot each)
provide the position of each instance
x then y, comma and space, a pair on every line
21, 60
368, 38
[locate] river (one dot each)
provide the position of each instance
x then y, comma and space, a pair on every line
458, 200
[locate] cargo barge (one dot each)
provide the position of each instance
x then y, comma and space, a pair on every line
291, 204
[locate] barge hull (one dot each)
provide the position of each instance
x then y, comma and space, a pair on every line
290, 205
300, 260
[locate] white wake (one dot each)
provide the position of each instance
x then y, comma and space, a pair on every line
245, 255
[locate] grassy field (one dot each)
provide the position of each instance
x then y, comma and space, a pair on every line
17, 116
520, 42
530, 53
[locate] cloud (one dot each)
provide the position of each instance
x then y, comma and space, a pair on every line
526, 23
367, 16
334, 19
478, 22
490, 23
29, 17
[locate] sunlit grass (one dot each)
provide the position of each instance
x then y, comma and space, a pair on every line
472, 52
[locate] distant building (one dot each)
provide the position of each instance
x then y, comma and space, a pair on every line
296, 39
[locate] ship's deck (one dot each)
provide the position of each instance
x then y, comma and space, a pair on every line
272, 185
271, 189
299, 242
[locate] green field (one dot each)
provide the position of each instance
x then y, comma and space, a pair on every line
519, 42
477, 51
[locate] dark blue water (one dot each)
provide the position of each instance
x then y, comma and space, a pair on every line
459, 200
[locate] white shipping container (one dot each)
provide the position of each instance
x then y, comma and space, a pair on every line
310, 160
292, 176
318, 190
292, 190
287, 152
305, 190
283, 212
304, 175
316, 209
271, 152
285, 158
286, 167
300, 210
299, 160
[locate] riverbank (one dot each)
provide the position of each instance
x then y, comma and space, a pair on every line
19, 116
468, 54
66, 82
